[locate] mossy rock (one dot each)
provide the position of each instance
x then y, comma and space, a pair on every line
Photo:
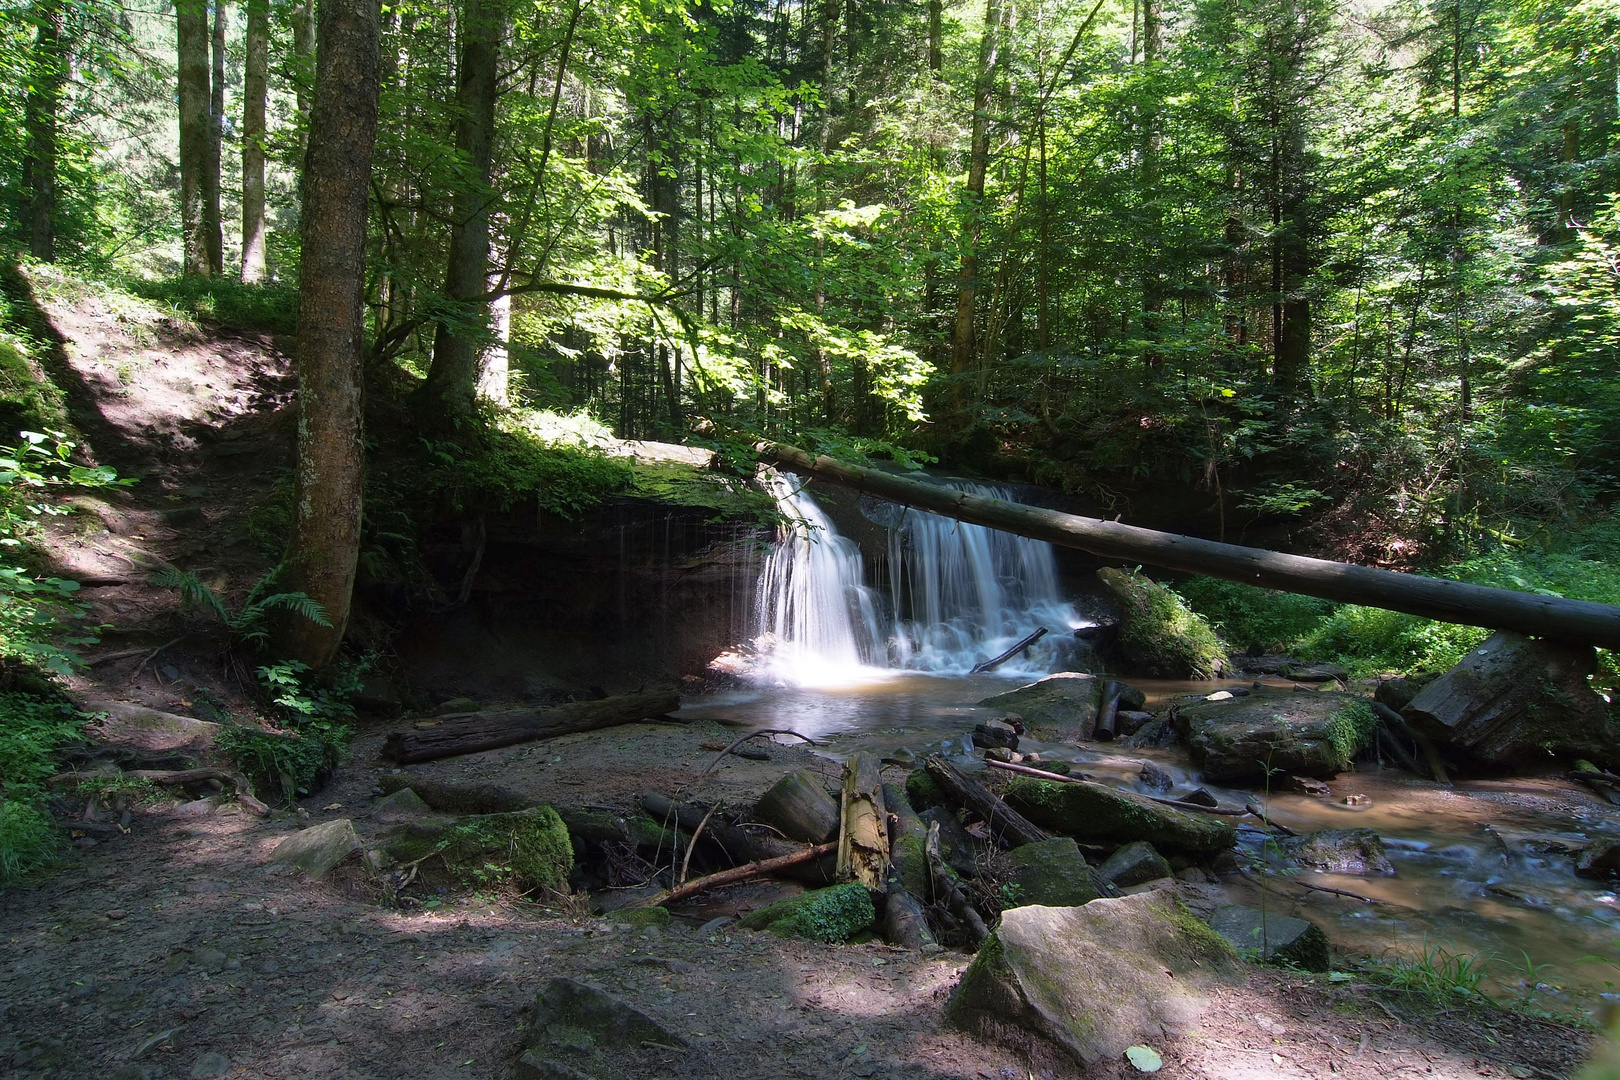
1098, 814
1052, 873
1092, 980
530, 848
829, 915
1061, 707
1307, 734
1159, 634
923, 793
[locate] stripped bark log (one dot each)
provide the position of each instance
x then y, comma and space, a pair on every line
863, 834
468, 733
1001, 819
735, 874
1432, 598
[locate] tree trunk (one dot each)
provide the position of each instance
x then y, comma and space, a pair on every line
213, 230
963, 345
1152, 145
191, 30
325, 541
495, 362
255, 80
448, 395
303, 20
1431, 598
1002, 820
40, 121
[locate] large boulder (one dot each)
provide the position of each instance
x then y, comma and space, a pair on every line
1092, 980
1514, 701
1099, 814
1059, 708
317, 849
1052, 873
1313, 734
1159, 634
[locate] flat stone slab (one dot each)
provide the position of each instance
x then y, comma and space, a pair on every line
1093, 980
1134, 864
1234, 741
1052, 873
136, 727
1059, 708
317, 849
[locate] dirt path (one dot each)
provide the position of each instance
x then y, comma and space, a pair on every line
179, 950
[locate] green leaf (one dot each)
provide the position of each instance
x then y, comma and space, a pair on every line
1144, 1058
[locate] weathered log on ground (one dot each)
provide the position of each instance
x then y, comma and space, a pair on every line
1512, 702
1001, 819
863, 833
1058, 778
907, 838
991, 665
735, 874
468, 733
799, 808
1104, 731
1431, 598
735, 842
904, 923
948, 891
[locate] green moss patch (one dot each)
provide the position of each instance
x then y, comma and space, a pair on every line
529, 849
829, 915
1159, 634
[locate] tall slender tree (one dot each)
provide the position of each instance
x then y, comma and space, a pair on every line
41, 118
191, 28
255, 83
213, 180
325, 544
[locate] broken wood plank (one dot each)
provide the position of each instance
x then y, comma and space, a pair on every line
468, 733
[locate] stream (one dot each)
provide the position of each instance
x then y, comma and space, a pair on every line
1483, 870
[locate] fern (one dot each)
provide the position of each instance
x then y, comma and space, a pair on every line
251, 624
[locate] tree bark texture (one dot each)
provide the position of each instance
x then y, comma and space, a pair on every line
255, 81
325, 541
1002, 820
963, 344
191, 31
213, 228
1431, 598
452, 381
44, 101
468, 733
863, 834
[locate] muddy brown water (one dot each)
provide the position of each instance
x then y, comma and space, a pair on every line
1484, 870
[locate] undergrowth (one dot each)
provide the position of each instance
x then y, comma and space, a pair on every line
34, 727
225, 300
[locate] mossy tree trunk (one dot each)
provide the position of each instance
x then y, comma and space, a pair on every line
325, 542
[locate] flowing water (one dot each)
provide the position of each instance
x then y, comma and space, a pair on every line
1482, 869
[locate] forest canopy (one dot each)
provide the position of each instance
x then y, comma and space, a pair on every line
1352, 264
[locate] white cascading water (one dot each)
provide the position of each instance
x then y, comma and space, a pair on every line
817, 622
964, 594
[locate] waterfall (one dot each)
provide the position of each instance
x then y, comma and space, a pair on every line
959, 594
963, 593
816, 621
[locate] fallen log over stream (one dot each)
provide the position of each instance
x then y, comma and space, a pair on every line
468, 733
1431, 598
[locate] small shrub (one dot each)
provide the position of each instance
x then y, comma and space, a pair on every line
32, 730
1351, 731
1252, 618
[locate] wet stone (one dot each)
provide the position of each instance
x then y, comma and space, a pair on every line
1134, 864
1342, 851
1270, 937
1052, 873
1599, 861
994, 733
